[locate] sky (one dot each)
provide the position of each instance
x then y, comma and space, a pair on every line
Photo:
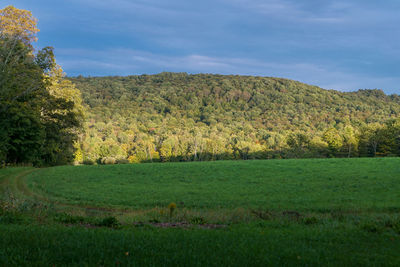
343, 44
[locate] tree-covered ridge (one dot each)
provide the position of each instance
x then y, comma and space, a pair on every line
177, 116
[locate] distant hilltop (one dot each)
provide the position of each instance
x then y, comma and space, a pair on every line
253, 113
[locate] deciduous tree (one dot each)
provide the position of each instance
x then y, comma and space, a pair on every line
18, 23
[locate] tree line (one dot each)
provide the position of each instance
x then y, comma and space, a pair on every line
182, 117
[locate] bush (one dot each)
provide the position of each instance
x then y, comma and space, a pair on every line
108, 160
122, 161
69, 219
11, 218
198, 220
88, 162
310, 220
371, 227
109, 222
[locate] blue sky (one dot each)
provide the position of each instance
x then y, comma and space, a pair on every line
342, 45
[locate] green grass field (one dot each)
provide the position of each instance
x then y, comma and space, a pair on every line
303, 185
268, 212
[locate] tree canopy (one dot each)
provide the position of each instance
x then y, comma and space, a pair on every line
18, 23
40, 111
180, 117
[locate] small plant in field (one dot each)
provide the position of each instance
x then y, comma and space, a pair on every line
198, 220
371, 227
262, 214
69, 219
171, 208
396, 227
154, 220
111, 222
10, 217
9, 202
310, 220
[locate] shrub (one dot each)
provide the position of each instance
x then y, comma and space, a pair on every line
371, 227
109, 222
133, 159
108, 160
310, 220
11, 218
262, 214
198, 220
69, 219
88, 162
122, 161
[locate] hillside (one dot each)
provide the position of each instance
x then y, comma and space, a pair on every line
177, 116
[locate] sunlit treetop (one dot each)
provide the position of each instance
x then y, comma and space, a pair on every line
18, 23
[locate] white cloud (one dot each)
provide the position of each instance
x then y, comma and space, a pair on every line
339, 12
290, 11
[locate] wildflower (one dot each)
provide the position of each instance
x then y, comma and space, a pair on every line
171, 207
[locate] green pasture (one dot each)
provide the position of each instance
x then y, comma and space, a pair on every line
301, 185
311, 212
273, 245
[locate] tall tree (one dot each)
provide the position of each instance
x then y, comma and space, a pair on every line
40, 111
334, 140
350, 140
21, 84
18, 23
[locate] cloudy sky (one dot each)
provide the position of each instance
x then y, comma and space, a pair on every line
342, 44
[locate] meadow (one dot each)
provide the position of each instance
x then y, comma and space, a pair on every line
262, 212
302, 185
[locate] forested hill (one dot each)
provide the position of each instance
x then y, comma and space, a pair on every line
186, 117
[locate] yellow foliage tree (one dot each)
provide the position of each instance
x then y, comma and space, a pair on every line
18, 23
60, 87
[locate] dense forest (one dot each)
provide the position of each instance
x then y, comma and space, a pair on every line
182, 117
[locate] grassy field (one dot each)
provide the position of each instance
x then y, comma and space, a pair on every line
239, 246
275, 212
303, 185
